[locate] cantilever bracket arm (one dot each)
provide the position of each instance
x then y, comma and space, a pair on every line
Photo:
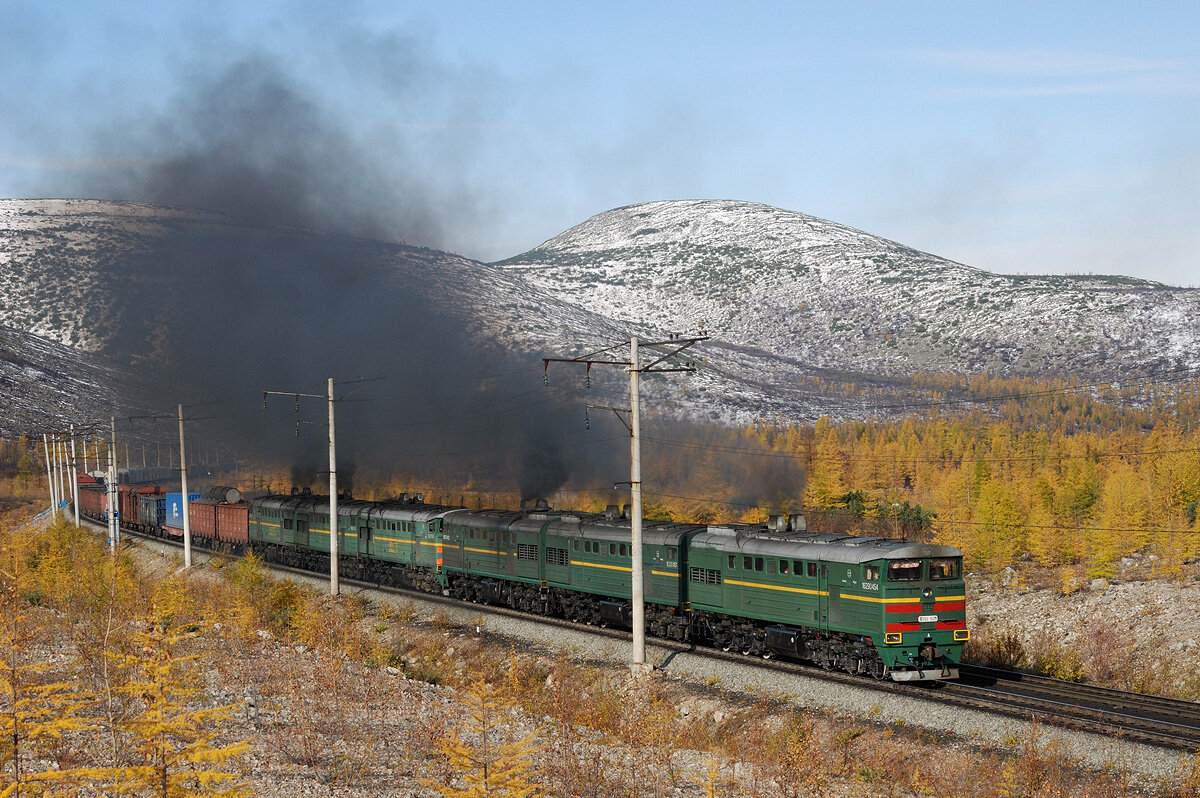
680, 345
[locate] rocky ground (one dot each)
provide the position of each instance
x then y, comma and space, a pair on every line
1139, 630
325, 723
338, 720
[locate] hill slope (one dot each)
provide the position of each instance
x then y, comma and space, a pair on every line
833, 297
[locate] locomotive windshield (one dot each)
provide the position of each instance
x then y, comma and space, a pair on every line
904, 571
944, 569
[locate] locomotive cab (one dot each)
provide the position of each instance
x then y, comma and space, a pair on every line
923, 603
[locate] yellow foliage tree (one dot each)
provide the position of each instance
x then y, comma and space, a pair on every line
482, 753
34, 714
172, 740
825, 475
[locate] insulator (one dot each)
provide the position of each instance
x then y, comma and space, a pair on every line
545, 379
587, 423
587, 381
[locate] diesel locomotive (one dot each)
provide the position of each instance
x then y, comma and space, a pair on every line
874, 606
887, 608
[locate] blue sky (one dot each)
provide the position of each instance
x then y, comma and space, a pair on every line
1016, 137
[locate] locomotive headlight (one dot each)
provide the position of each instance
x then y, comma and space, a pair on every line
962, 635
892, 638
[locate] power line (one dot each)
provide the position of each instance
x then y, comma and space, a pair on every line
845, 458
934, 519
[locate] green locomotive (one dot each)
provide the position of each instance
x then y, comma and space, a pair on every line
888, 608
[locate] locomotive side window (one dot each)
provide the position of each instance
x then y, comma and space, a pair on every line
783, 566
871, 573
812, 569
943, 569
904, 571
624, 549
612, 549
733, 561
575, 545
747, 563
758, 563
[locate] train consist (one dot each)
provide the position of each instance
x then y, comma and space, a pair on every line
887, 608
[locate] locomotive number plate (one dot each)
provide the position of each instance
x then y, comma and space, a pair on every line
927, 618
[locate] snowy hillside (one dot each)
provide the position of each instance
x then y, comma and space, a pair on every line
45, 385
833, 297
807, 317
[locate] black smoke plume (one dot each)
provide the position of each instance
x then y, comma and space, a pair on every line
302, 278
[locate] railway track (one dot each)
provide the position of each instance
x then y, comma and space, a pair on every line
1133, 717
1166, 722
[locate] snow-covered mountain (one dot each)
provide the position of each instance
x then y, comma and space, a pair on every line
807, 317
829, 296
117, 277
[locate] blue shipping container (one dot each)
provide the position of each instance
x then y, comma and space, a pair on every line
174, 508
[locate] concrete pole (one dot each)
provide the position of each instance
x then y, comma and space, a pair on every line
55, 485
63, 486
333, 508
56, 459
55, 475
66, 474
187, 526
74, 477
638, 665
49, 470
